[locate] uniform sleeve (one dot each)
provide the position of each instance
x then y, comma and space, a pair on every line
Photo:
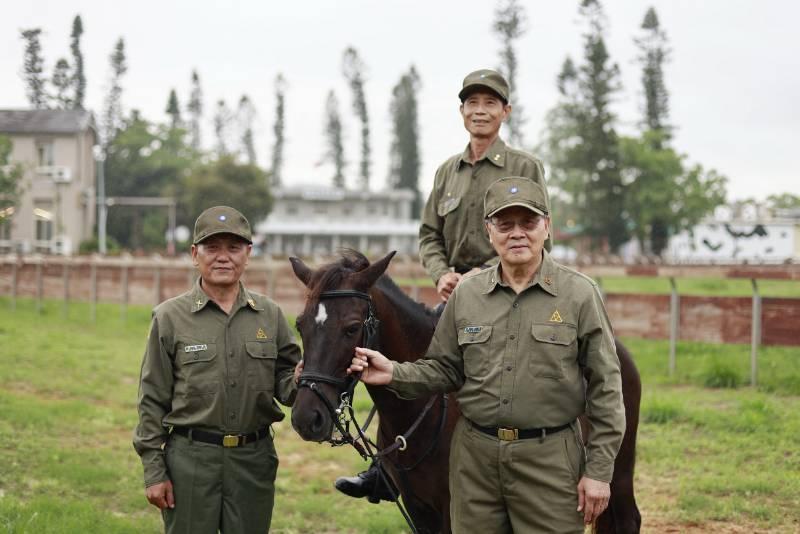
154, 402
432, 250
441, 370
288, 356
604, 408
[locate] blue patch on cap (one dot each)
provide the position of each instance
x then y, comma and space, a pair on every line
483, 76
513, 190
222, 217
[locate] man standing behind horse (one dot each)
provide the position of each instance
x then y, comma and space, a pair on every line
217, 357
514, 343
452, 241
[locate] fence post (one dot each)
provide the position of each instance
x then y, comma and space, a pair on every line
125, 292
674, 322
14, 282
65, 276
157, 284
93, 288
755, 334
39, 283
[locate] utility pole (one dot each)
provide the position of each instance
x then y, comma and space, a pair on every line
100, 157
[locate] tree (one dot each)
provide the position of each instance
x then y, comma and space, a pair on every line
654, 52
334, 139
78, 76
354, 72
62, 83
222, 122
33, 69
195, 108
509, 25
277, 129
226, 182
113, 114
174, 110
245, 117
404, 153
10, 181
783, 201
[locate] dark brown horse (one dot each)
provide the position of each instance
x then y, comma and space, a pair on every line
332, 327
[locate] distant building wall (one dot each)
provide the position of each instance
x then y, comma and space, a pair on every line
772, 241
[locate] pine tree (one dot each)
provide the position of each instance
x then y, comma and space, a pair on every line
404, 153
509, 25
33, 69
277, 129
654, 52
78, 76
334, 139
195, 109
113, 115
62, 83
245, 117
222, 121
174, 110
354, 72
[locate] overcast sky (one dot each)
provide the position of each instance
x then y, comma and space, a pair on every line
734, 80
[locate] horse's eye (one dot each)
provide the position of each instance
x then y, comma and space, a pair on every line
352, 330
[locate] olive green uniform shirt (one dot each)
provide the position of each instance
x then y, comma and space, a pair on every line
203, 368
452, 233
518, 360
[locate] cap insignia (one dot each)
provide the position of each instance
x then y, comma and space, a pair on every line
222, 217
513, 190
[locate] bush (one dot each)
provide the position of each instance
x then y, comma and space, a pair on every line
91, 245
661, 412
721, 374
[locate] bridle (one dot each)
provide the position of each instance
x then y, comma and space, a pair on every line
344, 414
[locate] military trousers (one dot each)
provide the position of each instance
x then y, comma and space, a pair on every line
230, 490
522, 486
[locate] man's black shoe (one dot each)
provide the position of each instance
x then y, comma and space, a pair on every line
367, 484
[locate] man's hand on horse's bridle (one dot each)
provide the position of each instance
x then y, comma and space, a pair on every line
375, 368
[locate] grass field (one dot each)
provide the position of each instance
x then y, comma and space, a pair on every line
710, 459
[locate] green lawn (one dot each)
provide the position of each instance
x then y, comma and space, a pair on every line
709, 459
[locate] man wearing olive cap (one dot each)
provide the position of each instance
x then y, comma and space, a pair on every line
514, 343
452, 241
216, 359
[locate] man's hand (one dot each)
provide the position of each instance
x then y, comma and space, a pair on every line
446, 284
160, 495
298, 369
375, 368
593, 498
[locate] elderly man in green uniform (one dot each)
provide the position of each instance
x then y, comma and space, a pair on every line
217, 357
513, 343
452, 241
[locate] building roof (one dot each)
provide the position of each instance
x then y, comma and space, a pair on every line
44, 121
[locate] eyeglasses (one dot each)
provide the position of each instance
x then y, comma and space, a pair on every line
504, 226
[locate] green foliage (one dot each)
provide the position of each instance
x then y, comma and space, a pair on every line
334, 139
225, 182
721, 374
404, 154
91, 245
277, 130
222, 123
354, 72
173, 109
62, 83
33, 69
245, 117
195, 108
509, 25
112, 121
660, 412
10, 181
78, 75
783, 201
654, 52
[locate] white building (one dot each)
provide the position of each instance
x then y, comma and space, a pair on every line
316, 220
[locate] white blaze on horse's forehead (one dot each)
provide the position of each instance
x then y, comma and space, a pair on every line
321, 314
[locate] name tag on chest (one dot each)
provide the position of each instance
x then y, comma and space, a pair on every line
195, 348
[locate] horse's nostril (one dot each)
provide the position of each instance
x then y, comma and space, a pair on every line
316, 424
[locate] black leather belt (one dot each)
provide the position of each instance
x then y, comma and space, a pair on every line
512, 434
224, 440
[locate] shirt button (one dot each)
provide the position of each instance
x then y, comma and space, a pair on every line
516, 304
553, 337
233, 383
508, 368
230, 354
512, 336
233, 415
505, 401
196, 356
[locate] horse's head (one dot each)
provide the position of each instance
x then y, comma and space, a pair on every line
332, 324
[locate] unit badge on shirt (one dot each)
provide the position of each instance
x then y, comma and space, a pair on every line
472, 329
195, 348
260, 334
556, 317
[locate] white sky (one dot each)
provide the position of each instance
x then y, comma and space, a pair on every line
734, 78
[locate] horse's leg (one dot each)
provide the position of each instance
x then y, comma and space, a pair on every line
622, 515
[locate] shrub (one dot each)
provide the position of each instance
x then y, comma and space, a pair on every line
721, 374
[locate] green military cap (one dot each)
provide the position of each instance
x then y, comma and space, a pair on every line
221, 220
484, 78
514, 191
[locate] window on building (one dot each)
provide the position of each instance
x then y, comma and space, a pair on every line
5, 223
44, 153
43, 217
291, 209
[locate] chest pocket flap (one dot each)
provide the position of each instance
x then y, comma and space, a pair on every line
265, 350
555, 334
447, 205
474, 334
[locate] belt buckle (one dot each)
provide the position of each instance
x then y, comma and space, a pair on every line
508, 434
230, 441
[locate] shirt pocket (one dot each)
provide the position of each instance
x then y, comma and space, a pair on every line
197, 360
474, 343
262, 357
447, 205
553, 345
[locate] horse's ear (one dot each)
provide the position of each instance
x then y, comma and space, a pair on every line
370, 275
301, 270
